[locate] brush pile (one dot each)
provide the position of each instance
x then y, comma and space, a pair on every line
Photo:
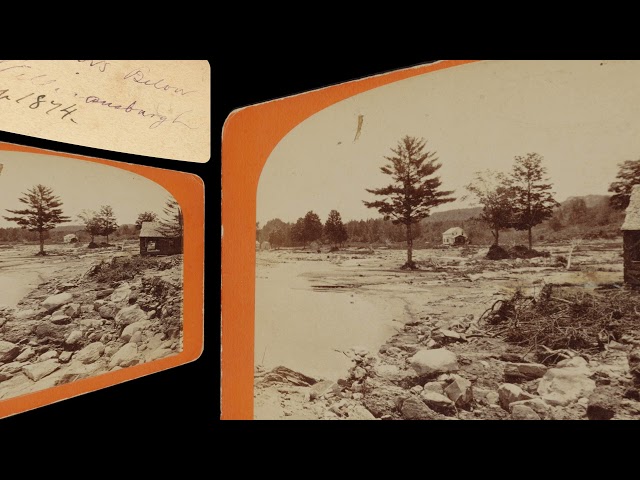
561, 319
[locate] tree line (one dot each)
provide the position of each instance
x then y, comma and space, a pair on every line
42, 213
519, 200
374, 230
305, 230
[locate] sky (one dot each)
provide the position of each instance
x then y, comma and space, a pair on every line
79, 184
583, 117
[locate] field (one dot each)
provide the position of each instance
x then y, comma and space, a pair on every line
341, 336
79, 312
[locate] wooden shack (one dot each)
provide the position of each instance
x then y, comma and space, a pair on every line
154, 242
631, 238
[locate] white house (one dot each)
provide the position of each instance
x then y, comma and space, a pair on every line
70, 238
454, 236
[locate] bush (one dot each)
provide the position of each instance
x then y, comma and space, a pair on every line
496, 252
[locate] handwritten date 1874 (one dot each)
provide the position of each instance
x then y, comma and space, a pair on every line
38, 101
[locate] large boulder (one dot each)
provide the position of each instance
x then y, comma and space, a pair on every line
438, 402
129, 315
8, 351
358, 412
522, 372
433, 362
24, 314
27, 354
48, 355
459, 391
91, 353
151, 355
11, 367
562, 386
434, 387
538, 405
383, 399
73, 338
16, 331
394, 374
76, 370
121, 294
108, 310
522, 412
55, 301
36, 371
322, 388
509, 393
415, 409
60, 319
51, 332
603, 403
125, 357
104, 293
132, 328
71, 310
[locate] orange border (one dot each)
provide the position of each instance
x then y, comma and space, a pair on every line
188, 190
249, 136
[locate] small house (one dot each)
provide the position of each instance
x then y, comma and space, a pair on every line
454, 236
70, 238
265, 246
154, 242
631, 239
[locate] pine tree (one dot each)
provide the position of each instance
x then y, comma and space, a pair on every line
277, 238
628, 176
172, 225
297, 232
334, 229
533, 201
43, 212
312, 227
414, 191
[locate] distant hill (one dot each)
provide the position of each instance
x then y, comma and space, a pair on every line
464, 214
457, 215
68, 228
76, 228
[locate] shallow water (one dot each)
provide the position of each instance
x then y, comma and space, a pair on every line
305, 329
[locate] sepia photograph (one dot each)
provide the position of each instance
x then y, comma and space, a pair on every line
458, 245
91, 271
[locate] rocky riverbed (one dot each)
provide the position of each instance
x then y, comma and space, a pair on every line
442, 363
97, 315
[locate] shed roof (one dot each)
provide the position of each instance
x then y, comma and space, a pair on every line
151, 229
632, 218
454, 231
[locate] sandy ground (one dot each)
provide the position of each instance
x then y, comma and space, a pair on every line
311, 307
21, 270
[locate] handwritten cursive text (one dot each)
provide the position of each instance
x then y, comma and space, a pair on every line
158, 118
139, 77
101, 64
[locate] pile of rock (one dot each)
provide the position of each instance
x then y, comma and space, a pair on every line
85, 330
